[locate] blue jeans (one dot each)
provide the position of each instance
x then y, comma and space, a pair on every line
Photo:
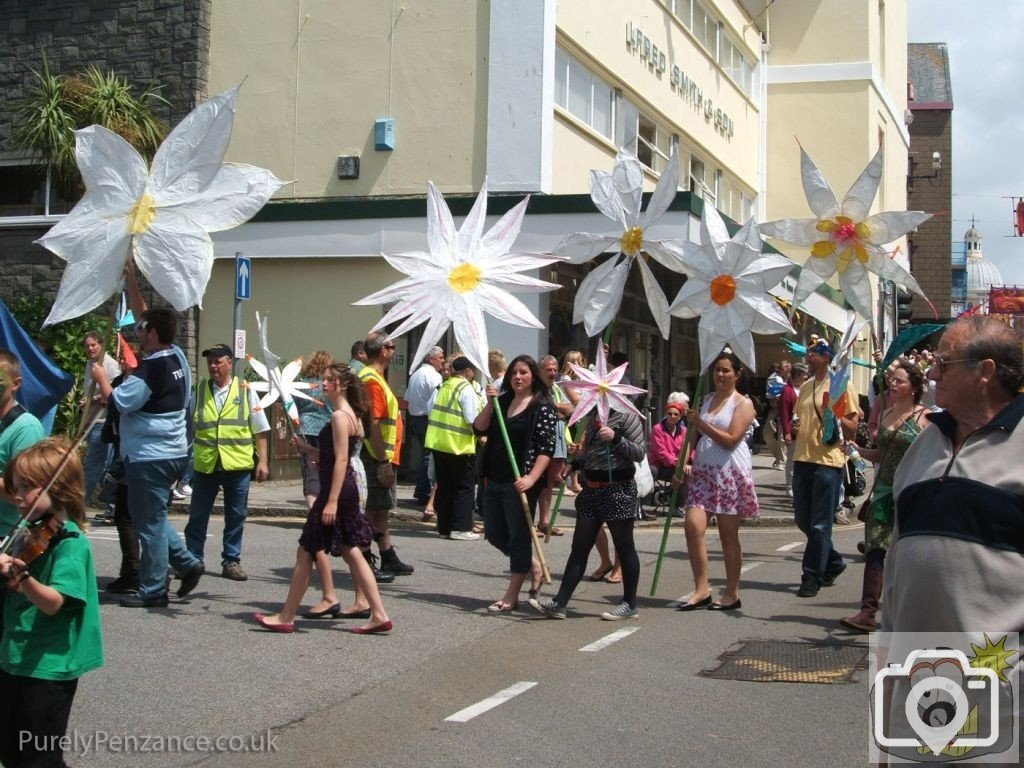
149, 490
235, 483
815, 488
97, 456
418, 431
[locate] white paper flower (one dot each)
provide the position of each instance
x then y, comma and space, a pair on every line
601, 389
160, 216
845, 239
618, 195
464, 274
727, 288
278, 384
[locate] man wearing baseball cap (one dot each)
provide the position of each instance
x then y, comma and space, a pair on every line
818, 468
228, 421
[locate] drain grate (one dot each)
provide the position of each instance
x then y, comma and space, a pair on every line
782, 661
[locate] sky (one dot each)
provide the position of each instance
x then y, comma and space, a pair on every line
986, 60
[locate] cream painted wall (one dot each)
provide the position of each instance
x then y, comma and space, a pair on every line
599, 39
813, 31
309, 302
321, 71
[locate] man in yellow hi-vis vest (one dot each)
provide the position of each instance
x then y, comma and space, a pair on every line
381, 453
452, 443
228, 420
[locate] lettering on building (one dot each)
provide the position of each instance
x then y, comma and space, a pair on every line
679, 81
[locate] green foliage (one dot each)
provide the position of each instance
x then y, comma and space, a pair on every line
63, 343
57, 105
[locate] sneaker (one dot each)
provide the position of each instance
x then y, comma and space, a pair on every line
190, 579
185, 489
232, 571
134, 601
842, 517
549, 608
123, 585
390, 563
378, 575
832, 574
176, 494
778, 465
808, 587
465, 536
623, 612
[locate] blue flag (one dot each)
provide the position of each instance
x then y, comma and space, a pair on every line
43, 385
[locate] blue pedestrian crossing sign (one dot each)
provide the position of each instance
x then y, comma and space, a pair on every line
243, 278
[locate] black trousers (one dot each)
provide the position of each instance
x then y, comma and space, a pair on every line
33, 719
453, 499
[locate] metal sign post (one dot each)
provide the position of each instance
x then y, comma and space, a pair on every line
243, 292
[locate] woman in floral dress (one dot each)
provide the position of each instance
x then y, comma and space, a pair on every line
721, 483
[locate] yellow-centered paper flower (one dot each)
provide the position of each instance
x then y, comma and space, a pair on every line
844, 239
619, 196
465, 274
159, 215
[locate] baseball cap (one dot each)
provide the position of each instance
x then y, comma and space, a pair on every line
461, 363
218, 350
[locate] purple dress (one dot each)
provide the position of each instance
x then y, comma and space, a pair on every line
351, 528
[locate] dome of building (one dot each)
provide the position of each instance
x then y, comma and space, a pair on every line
982, 274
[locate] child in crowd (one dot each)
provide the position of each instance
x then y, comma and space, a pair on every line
51, 632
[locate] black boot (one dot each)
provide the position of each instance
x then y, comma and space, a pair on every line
390, 563
379, 576
870, 595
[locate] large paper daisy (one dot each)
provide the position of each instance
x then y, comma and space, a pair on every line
618, 195
465, 273
844, 239
160, 215
601, 389
727, 289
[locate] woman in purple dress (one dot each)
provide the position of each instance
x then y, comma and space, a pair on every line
336, 523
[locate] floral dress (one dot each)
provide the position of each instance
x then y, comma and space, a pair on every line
893, 442
722, 481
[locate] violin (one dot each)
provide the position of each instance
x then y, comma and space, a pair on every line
31, 542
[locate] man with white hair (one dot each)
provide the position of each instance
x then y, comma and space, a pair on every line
423, 384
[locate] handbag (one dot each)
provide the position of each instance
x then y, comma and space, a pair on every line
644, 479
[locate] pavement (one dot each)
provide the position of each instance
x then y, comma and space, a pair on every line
283, 498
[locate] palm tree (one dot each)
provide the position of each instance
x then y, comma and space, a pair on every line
57, 105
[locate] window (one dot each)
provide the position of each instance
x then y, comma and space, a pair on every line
583, 94
683, 9
705, 29
26, 190
735, 65
643, 136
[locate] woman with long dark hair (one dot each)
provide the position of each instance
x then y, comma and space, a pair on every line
336, 524
899, 425
531, 421
721, 483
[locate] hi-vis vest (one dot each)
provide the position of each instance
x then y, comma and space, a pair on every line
559, 396
225, 435
389, 425
447, 430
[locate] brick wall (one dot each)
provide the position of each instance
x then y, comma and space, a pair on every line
931, 191
166, 41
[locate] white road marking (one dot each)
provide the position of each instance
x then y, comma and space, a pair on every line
604, 642
751, 566
467, 714
788, 547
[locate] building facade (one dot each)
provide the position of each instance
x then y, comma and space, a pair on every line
527, 94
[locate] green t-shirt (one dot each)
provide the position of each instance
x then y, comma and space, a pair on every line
70, 643
24, 432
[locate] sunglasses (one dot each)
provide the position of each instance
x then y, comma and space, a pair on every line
943, 363
141, 326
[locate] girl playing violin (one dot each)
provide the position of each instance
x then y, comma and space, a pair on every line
51, 632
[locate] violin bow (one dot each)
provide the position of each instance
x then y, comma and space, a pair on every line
22, 520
